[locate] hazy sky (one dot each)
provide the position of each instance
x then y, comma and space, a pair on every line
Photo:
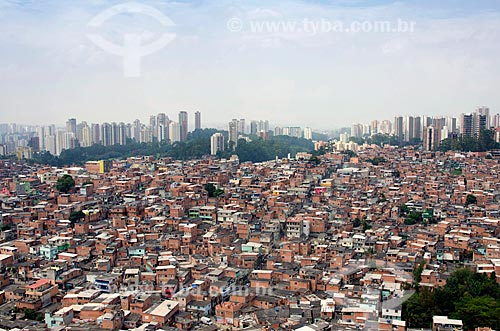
50, 70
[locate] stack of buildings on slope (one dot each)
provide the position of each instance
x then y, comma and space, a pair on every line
286, 244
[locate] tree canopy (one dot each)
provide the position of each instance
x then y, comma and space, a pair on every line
385, 139
472, 297
484, 142
197, 145
260, 150
65, 183
471, 199
212, 190
75, 216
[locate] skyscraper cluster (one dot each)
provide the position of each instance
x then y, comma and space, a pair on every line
260, 128
54, 140
431, 130
472, 124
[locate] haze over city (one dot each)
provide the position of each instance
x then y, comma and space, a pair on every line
50, 70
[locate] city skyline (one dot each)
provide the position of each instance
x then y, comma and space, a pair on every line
222, 124
427, 131
447, 65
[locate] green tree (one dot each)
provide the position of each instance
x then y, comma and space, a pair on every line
75, 216
357, 140
484, 142
382, 198
350, 153
382, 139
377, 160
317, 136
413, 217
197, 145
417, 273
469, 296
415, 141
65, 183
30, 314
419, 309
470, 200
403, 210
210, 188
356, 222
479, 311
5, 226
366, 225
315, 160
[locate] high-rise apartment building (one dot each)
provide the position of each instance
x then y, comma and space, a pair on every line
152, 121
445, 133
233, 133
417, 127
216, 143
136, 130
161, 118
264, 126
467, 124
65, 140
367, 130
242, 126
161, 127
51, 144
295, 131
374, 127
41, 136
146, 134
162, 132
308, 133
357, 130
174, 132
484, 116
481, 122
183, 124
473, 124
430, 138
398, 128
496, 121
128, 130
106, 134
95, 131
85, 135
409, 126
121, 134
254, 128
385, 127
451, 123
197, 120
344, 137
71, 126
114, 133
258, 126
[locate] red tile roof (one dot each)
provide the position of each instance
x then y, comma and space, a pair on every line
38, 283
